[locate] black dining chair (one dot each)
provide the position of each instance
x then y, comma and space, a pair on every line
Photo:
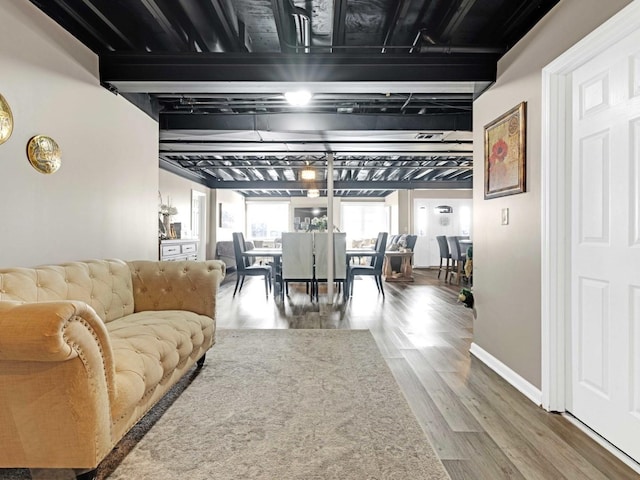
457, 258
445, 256
374, 268
244, 267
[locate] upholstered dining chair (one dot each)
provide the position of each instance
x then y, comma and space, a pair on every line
244, 267
445, 256
320, 241
457, 258
297, 260
374, 269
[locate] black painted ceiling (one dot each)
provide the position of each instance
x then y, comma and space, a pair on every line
392, 82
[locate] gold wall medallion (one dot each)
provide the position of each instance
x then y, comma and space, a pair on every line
44, 154
6, 120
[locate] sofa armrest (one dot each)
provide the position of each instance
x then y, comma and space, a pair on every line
186, 285
50, 331
56, 375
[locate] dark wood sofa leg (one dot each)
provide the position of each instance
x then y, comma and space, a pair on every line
200, 362
90, 475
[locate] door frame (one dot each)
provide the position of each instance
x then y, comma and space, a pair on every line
556, 200
200, 198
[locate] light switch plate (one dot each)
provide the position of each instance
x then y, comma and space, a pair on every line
505, 216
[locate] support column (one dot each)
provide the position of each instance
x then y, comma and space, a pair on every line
330, 227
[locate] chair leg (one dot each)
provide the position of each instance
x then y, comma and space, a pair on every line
440, 268
242, 283
381, 287
237, 283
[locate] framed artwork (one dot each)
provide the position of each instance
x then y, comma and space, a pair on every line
226, 216
504, 154
307, 218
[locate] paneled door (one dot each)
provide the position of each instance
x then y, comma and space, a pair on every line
604, 392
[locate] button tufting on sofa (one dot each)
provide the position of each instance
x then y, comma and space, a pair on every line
98, 354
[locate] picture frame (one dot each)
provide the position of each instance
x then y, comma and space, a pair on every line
505, 153
226, 216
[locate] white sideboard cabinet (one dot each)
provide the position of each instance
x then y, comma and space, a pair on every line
176, 250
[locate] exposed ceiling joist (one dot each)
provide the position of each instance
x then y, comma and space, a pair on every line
432, 67
392, 84
315, 122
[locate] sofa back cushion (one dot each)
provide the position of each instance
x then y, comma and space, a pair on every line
105, 285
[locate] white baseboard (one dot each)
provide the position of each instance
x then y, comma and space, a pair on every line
523, 386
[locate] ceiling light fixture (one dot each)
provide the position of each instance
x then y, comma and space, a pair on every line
298, 98
444, 209
313, 193
308, 173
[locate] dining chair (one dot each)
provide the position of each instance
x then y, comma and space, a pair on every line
381, 239
244, 267
297, 260
457, 258
320, 243
445, 255
374, 268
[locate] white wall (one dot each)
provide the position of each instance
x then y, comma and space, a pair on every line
102, 203
507, 261
236, 203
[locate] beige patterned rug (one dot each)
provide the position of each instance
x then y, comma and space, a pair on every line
280, 405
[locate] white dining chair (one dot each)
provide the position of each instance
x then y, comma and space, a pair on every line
297, 260
320, 241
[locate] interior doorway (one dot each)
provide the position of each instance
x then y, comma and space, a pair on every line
438, 216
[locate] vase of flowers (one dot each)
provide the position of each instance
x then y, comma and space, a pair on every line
166, 211
319, 224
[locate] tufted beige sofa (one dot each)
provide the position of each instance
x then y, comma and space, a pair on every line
87, 348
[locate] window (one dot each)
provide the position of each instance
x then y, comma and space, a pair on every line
465, 220
363, 221
267, 220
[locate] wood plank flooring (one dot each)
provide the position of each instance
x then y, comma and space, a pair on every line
480, 426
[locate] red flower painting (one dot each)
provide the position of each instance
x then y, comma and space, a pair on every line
499, 151
505, 154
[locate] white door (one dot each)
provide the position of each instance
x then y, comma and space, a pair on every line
604, 391
429, 224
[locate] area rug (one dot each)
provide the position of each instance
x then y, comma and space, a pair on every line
280, 405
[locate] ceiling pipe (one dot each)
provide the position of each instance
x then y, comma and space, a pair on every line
423, 49
459, 49
302, 21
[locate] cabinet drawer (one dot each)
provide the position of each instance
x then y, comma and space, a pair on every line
170, 250
192, 257
189, 247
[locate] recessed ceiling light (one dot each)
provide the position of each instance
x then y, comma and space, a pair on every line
298, 98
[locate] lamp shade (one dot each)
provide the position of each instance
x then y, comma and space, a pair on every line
308, 173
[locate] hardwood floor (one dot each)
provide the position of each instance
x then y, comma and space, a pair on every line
480, 426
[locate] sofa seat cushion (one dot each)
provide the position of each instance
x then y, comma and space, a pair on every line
149, 346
